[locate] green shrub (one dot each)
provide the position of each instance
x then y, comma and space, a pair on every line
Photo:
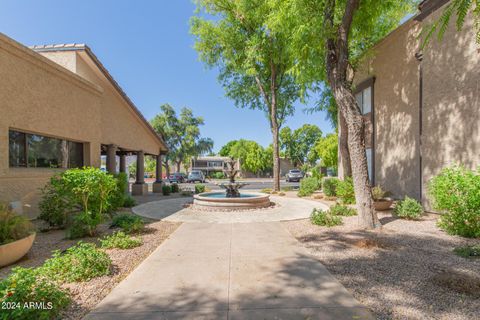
128, 222
468, 251
378, 193
341, 210
325, 218
345, 191
120, 193
12, 226
174, 188
266, 190
329, 187
199, 188
129, 202
81, 262
24, 286
408, 209
120, 240
455, 192
219, 175
166, 190
54, 208
308, 186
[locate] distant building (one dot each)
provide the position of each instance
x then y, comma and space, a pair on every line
209, 165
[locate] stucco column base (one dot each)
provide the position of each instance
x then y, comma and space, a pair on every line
139, 189
157, 187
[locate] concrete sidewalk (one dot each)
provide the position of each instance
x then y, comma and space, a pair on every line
230, 271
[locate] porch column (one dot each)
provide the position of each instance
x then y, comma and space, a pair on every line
140, 188
111, 159
123, 163
157, 185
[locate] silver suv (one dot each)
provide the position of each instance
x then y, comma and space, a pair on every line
196, 175
294, 175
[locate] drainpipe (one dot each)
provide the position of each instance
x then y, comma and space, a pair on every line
419, 56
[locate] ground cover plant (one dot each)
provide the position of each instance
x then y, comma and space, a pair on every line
81, 262
472, 251
120, 240
199, 188
408, 209
329, 186
325, 218
345, 191
128, 222
455, 193
342, 210
308, 186
174, 187
12, 226
166, 190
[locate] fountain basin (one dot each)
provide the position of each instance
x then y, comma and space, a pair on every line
219, 201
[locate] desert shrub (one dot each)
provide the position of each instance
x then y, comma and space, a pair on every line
54, 208
455, 192
329, 186
26, 286
345, 191
174, 188
308, 186
408, 209
120, 193
341, 210
468, 251
325, 218
81, 262
317, 173
12, 226
120, 240
199, 188
266, 190
166, 190
129, 202
128, 222
378, 193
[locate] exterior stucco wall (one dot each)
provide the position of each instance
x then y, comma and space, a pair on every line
396, 111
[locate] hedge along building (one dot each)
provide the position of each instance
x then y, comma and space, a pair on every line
60, 108
421, 106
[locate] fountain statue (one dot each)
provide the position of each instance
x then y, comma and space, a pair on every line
231, 187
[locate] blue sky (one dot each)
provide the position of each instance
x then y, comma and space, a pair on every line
147, 48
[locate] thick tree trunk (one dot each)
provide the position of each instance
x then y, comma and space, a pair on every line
179, 165
356, 146
276, 159
343, 146
167, 167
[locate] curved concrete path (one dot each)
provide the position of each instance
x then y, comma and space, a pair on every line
172, 210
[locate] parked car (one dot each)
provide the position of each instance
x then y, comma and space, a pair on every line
177, 177
294, 175
196, 176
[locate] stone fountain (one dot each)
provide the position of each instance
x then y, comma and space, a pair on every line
232, 187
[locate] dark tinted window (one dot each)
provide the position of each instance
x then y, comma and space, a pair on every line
44, 152
16, 155
75, 154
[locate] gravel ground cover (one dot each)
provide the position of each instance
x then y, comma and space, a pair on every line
85, 295
405, 271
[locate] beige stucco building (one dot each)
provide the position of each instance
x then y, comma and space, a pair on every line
60, 108
424, 104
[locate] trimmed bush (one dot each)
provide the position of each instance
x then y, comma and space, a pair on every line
166, 190
25, 286
408, 209
308, 186
219, 175
468, 251
81, 262
128, 222
329, 187
199, 188
129, 202
12, 226
455, 192
175, 188
120, 240
345, 191
54, 208
341, 210
325, 218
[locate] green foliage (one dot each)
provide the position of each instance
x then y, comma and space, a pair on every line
266, 190
341, 210
327, 150
120, 193
345, 191
24, 286
225, 151
329, 186
308, 186
199, 188
53, 206
129, 202
378, 193
298, 145
468, 251
325, 218
120, 240
12, 226
408, 209
455, 192
219, 175
253, 157
166, 190
81, 262
129, 223
174, 187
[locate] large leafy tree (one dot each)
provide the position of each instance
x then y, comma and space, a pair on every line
181, 134
253, 157
298, 144
328, 39
253, 59
225, 151
327, 150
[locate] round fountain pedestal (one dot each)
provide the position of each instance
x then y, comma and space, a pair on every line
219, 201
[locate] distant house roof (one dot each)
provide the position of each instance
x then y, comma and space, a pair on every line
101, 67
212, 158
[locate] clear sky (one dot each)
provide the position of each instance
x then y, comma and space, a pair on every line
147, 47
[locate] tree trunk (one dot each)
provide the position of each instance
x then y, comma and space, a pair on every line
276, 159
179, 165
356, 146
343, 146
167, 167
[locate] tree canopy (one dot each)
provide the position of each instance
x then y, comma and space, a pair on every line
327, 150
297, 145
253, 157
